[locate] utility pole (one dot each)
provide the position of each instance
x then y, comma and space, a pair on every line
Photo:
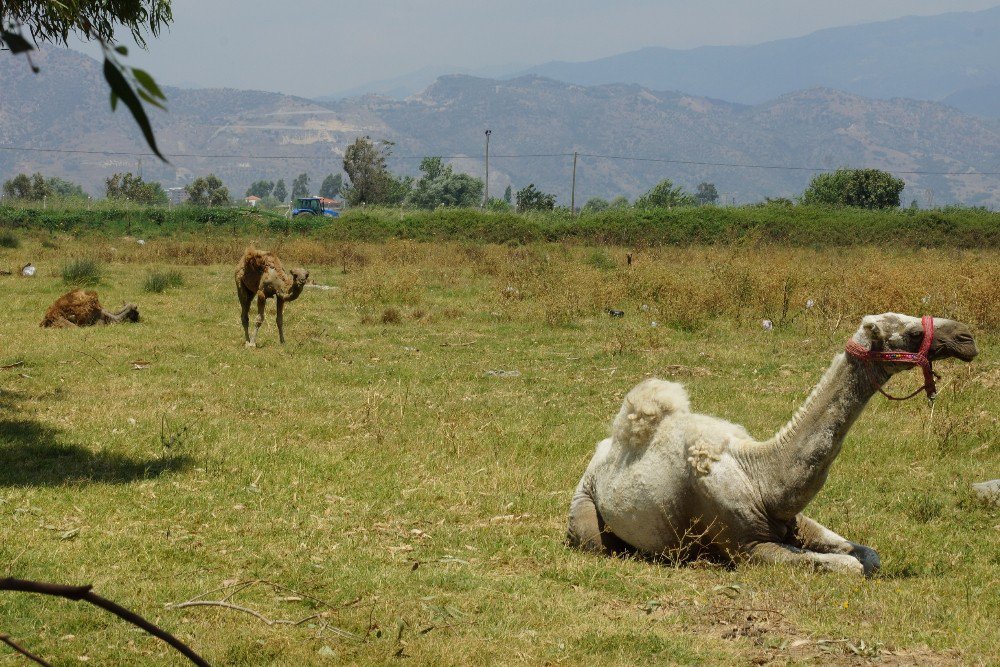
572, 195
139, 169
486, 199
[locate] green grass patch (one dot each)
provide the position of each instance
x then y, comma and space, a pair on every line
81, 272
9, 239
160, 281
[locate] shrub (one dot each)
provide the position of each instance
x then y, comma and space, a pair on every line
160, 281
81, 273
863, 188
9, 240
599, 259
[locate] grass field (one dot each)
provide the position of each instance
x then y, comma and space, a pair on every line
373, 477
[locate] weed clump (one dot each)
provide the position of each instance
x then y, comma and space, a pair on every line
159, 281
81, 273
9, 240
601, 260
391, 316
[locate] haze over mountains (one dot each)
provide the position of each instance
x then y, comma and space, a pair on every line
949, 57
806, 126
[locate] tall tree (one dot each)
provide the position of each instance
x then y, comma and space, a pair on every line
26, 22
132, 188
207, 191
508, 195
300, 186
260, 189
332, 185
441, 186
863, 188
706, 193
30, 188
370, 180
281, 191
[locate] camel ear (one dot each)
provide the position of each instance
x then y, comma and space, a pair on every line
873, 331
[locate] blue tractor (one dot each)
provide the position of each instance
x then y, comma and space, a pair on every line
310, 206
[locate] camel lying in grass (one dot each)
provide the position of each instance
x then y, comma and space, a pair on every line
80, 308
671, 483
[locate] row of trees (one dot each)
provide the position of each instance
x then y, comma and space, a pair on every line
37, 188
371, 183
331, 187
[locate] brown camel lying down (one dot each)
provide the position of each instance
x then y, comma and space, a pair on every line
79, 308
260, 274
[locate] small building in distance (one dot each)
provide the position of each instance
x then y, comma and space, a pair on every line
177, 196
251, 200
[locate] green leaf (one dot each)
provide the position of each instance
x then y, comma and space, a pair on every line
121, 88
114, 101
15, 42
121, 49
152, 100
147, 82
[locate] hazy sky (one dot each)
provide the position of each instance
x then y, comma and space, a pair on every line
315, 47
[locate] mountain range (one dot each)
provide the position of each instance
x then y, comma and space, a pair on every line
950, 58
247, 135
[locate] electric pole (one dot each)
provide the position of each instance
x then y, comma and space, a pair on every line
486, 199
572, 195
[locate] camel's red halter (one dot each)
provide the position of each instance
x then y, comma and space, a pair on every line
920, 358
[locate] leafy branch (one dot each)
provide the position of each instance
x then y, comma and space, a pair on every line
94, 20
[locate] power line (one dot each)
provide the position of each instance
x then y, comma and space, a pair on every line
632, 158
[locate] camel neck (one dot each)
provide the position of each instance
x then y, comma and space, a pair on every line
792, 467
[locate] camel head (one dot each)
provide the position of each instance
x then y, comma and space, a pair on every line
300, 277
130, 312
893, 332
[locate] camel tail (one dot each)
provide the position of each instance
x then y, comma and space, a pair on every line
254, 260
644, 408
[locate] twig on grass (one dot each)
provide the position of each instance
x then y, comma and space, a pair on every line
5, 638
228, 605
77, 593
13, 365
89, 355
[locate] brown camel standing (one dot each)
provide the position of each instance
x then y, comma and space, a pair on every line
260, 273
79, 308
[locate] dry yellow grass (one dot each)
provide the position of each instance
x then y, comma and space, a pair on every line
376, 467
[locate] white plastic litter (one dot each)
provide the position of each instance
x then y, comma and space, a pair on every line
767, 325
28, 270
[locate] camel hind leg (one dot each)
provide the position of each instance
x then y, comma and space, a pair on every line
587, 530
261, 302
246, 297
279, 318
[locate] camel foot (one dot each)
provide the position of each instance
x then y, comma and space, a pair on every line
249, 345
868, 557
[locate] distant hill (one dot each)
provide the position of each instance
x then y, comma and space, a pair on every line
928, 58
66, 107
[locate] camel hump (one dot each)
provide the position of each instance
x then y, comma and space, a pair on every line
254, 260
648, 404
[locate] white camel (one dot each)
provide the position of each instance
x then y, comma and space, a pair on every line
669, 482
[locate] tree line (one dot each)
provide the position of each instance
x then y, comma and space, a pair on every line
369, 182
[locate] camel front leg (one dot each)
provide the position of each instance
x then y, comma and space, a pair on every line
281, 310
261, 302
246, 297
812, 535
587, 530
786, 554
